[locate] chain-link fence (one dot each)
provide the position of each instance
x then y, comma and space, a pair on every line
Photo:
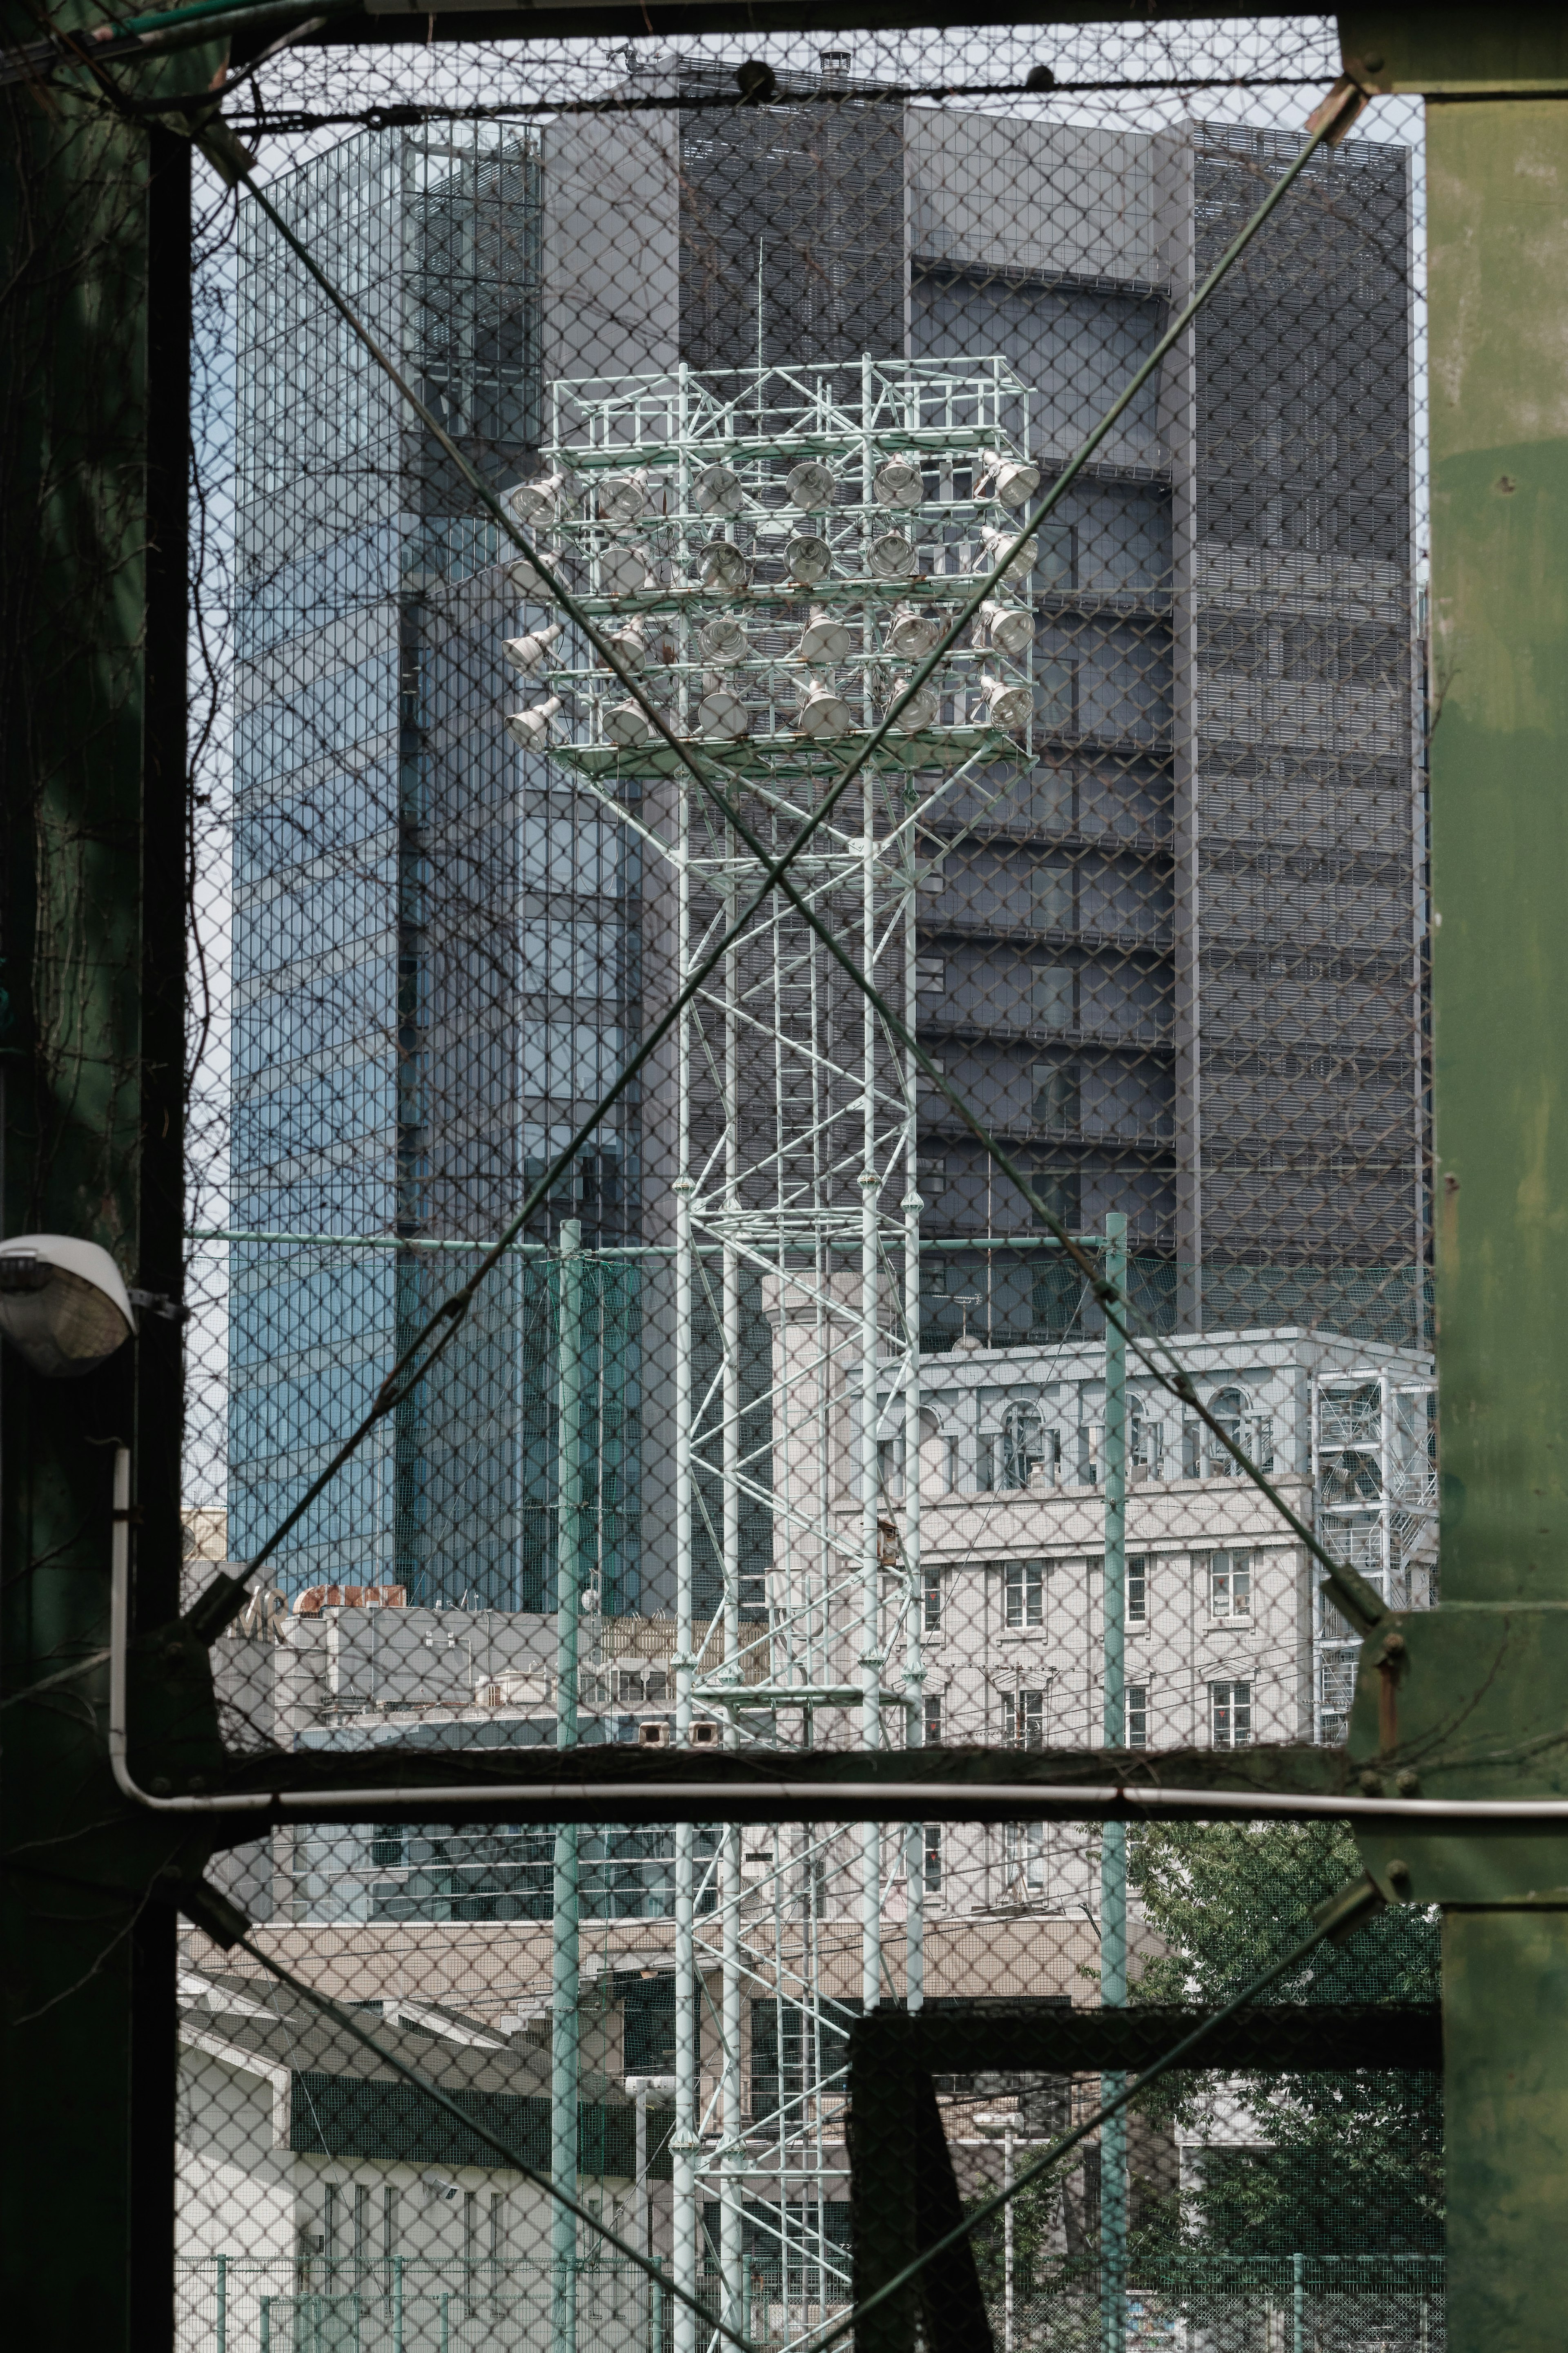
808, 1132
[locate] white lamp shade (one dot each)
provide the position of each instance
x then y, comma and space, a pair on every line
919, 711
541, 501
63, 1304
629, 646
1008, 703
808, 557
1009, 627
721, 713
716, 490
994, 546
723, 641
622, 571
528, 581
528, 654
825, 714
723, 566
531, 727
624, 497
810, 484
897, 483
1015, 481
912, 631
826, 637
626, 723
892, 556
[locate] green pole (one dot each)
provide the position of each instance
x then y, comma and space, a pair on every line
571, 1568
1298, 2304
220, 2333
397, 2304
1113, 1844
1493, 1659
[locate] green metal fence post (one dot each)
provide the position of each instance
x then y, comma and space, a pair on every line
1113, 1846
1494, 1657
220, 2332
397, 2304
1298, 2304
571, 1566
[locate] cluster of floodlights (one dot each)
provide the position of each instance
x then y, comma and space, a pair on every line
631, 495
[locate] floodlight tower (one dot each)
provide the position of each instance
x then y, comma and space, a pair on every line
772, 552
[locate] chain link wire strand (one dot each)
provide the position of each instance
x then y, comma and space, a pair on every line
732, 1446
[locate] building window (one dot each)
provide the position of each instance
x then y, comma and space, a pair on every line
1230, 1714
932, 1705
1052, 1005
1029, 1719
389, 2221
1230, 1585
1228, 1407
932, 1856
1026, 1597
1026, 1857
1137, 1703
934, 1600
1137, 1588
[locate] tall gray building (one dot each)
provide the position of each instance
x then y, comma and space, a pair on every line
1181, 970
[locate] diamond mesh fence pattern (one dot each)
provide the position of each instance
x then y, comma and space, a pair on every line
787, 1404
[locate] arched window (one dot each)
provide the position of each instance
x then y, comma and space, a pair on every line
1230, 1408
1024, 1443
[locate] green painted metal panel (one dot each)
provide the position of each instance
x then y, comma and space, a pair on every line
1499, 262
1505, 1997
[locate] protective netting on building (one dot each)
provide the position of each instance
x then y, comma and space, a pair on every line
747, 520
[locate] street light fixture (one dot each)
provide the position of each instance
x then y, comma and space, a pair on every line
63, 1304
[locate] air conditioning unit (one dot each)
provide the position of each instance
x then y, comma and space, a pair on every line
653, 1734
705, 1735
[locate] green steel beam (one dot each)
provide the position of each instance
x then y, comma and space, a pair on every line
1472, 1700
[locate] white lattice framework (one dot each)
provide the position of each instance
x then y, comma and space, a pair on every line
772, 552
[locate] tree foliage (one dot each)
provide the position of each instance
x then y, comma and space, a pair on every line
1340, 2164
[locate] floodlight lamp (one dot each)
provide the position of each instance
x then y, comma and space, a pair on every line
810, 485
994, 546
531, 727
528, 581
892, 556
627, 723
723, 566
722, 715
898, 482
919, 711
1013, 481
623, 570
808, 557
825, 638
541, 501
723, 642
624, 497
1009, 627
629, 647
825, 714
63, 1304
1008, 703
526, 654
913, 630
716, 490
